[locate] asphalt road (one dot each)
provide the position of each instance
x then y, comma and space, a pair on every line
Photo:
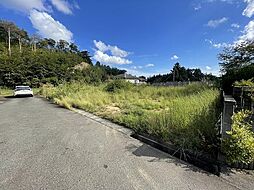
43, 146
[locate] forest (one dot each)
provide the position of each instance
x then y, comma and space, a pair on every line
35, 61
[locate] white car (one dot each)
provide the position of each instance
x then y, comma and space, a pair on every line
23, 91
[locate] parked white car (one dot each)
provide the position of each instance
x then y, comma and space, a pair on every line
23, 91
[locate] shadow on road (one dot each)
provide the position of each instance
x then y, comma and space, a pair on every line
157, 156
12, 97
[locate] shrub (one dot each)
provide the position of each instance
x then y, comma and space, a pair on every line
242, 83
239, 146
117, 85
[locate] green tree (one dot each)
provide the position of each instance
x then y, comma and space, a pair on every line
237, 63
62, 45
73, 48
86, 57
237, 56
51, 43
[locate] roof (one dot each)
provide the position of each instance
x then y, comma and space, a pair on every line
126, 76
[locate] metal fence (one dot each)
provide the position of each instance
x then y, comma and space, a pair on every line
182, 83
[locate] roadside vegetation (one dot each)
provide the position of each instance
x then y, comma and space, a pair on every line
184, 116
239, 146
5, 92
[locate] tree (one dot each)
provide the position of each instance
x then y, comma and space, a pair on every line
86, 57
237, 63
73, 48
51, 43
237, 56
97, 64
62, 45
10, 33
198, 75
43, 44
179, 73
34, 40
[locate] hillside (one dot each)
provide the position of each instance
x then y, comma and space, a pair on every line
34, 61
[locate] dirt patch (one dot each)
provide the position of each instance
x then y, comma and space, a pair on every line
110, 110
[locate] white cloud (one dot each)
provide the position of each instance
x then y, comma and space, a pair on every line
235, 25
218, 45
137, 72
248, 33
38, 10
48, 27
216, 23
150, 65
108, 54
197, 7
174, 57
26, 6
115, 51
110, 59
249, 11
208, 68
63, 6
224, 1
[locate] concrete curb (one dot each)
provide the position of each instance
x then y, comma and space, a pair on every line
206, 164
104, 122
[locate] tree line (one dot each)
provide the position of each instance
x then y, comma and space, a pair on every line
34, 61
181, 74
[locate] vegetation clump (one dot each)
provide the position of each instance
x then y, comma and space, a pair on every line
244, 83
239, 146
117, 85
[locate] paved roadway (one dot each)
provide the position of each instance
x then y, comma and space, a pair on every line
43, 146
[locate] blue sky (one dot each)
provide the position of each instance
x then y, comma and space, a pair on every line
145, 37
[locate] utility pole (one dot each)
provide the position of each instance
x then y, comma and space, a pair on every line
174, 75
20, 45
9, 41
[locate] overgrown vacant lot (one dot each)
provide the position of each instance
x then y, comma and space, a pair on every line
185, 116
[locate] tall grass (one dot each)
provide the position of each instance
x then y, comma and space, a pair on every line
5, 91
184, 116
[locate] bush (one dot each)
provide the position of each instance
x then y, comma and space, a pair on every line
239, 146
117, 85
244, 83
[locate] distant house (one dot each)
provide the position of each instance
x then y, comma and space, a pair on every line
142, 80
130, 78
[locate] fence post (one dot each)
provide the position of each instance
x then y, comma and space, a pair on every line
228, 111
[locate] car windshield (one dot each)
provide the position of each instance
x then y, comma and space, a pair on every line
22, 88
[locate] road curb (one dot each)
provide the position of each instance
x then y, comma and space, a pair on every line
209, 165
104, 122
